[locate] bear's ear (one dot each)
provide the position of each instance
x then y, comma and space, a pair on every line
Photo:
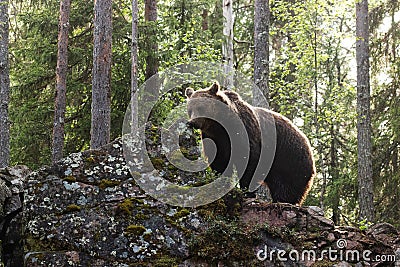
214, 88
189, 92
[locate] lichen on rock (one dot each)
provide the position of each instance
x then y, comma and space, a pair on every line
87, 210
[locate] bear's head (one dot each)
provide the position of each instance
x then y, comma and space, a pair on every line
207, 106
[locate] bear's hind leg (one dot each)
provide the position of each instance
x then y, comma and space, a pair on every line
285, 193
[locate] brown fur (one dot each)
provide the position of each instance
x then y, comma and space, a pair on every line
291, 174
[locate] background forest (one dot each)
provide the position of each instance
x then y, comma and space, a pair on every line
312, 80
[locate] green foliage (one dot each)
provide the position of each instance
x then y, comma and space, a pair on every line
181, 38
165, 104
364, 225
386, 110
33, 81
312, 81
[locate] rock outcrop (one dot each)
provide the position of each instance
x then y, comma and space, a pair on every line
87, 210
11, 202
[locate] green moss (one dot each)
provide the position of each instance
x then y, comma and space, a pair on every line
90, 159
180, 214
125, 207
237, 207
225, 240
213, 209
34, 243
174, 220
108, 183
307, 245
128, 204
158, 163
205, 178
97, 236
136, 230
166, 261
137, 200
72, 208
147, 237
274, 231
140, 217
171, 167
287, 234
323, 263
70, 179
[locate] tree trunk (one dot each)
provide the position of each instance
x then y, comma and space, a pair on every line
204, 23
4, 87
61, 78
261, 50
365, 182
227, 45
101, 81
395, 157
134, 70
150, 15
335, 177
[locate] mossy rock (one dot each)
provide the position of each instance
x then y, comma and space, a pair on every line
180, 214
225, 240
90, 159
166, 261
108, 183
70, 179
125, 207
158, 163
141, 216
72, 208
136, 230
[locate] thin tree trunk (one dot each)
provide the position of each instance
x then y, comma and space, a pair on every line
61, 77
134, 70
227, 45
395, 157
151, 86
261, 50
150, 15
204, 23
316, 113
336, 214
101, 81
365, 182
182, 21
335, 177
4, 87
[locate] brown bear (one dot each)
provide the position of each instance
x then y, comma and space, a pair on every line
260, 143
